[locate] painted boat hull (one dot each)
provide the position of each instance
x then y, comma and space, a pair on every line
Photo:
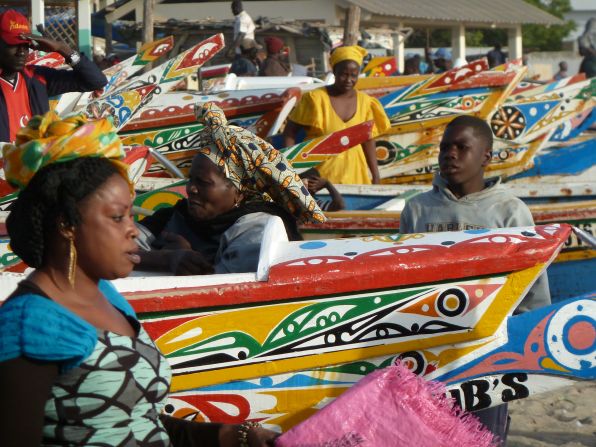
277, 345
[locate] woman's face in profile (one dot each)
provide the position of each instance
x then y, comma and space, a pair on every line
209, 192
105, 239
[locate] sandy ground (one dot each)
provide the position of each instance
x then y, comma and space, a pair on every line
563, 418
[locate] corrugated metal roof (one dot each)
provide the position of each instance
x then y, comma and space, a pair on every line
477, 11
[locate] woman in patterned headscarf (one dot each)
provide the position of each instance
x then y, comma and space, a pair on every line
76, 366
337, 107
236, 182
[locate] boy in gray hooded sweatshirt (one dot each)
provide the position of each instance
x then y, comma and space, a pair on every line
462, 200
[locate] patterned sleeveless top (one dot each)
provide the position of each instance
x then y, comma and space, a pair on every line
111, 388
111, 399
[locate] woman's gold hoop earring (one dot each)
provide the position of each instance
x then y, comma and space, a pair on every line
72, 262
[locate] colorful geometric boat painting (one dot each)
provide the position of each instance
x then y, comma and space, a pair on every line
523, 119
176, 108
116, 75
405, 294
180, 145
51, 60
121, 106
312, 152
380, 66
129, 97
147, 54
174, 70
283, 400
276, 345
405, 158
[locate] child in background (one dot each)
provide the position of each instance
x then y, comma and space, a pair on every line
461, 199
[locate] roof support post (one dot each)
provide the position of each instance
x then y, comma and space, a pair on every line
515, 42
37, 14
399, 48
84, 27
458, 42
148, 6
351, 25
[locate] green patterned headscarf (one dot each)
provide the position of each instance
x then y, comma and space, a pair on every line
253, 165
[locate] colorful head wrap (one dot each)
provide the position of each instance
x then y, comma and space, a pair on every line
48, 139
253, 165
351, 53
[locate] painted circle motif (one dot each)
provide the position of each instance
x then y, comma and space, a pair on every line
386, 152
571, 335
414, 361
508, 123
452, 302
467, 102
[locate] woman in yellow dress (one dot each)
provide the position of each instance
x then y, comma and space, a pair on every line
337, 107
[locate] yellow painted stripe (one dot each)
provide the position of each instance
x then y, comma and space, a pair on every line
576, 255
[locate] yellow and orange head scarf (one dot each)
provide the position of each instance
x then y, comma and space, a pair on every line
352, 53
49, 139
253, 165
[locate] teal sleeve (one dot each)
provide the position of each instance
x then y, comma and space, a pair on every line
40, 329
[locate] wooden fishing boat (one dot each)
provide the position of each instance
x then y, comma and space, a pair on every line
522, 128
569, 275
180, 144
278, 344
548, 204
117, 75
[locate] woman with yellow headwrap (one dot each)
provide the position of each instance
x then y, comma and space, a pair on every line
337, 107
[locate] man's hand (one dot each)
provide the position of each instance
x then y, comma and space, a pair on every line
48, 44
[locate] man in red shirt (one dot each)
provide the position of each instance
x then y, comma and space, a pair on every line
25, 91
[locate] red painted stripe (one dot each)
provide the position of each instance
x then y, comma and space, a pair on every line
362, 273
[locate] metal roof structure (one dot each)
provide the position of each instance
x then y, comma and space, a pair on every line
487, 12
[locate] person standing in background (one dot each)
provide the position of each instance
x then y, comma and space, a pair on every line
25, 91
337, 107
496, 56
244, 28
587, 49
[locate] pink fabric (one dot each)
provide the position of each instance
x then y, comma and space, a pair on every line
390, 407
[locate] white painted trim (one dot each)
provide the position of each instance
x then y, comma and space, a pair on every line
274, 235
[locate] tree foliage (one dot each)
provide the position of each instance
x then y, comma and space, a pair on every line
547, 38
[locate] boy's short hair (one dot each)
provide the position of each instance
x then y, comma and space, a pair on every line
481, 127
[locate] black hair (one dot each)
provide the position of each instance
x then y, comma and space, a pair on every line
481, 127
53, 194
